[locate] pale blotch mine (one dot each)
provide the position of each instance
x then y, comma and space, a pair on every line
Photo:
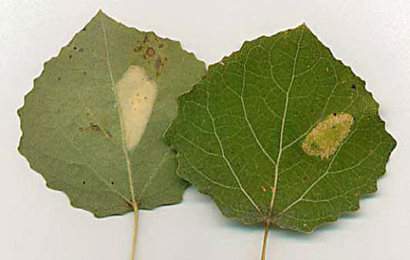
135, 97
327, 136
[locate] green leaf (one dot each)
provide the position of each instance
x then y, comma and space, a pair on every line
281, 132
93, 124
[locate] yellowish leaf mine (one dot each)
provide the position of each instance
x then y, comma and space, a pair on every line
327, 136
136, 96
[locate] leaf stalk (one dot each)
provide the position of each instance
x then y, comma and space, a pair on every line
134, 240
265, 240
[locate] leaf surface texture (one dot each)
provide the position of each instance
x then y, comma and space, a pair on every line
281, 132
93, 124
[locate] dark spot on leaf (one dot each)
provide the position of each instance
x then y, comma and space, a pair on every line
59, 78
84, 29
80, 50
91, 128
158, 64
112, 183
108, 133
75, 48
150, 52
70, 56
353, 86
335, 114
161, 46
146, 39
305, 179
94, 127
87, 114
145, 97
83, 182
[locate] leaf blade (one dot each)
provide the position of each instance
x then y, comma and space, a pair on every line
71, 121
265, 99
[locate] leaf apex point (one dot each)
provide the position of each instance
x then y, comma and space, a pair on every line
101, 13
304, 26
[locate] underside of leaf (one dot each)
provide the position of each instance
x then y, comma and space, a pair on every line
93, 124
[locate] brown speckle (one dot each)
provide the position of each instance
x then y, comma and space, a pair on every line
161, 46
94, 127
305, 178
158, 64
353, 86
108, 133
150, 52
327, 69
263, 188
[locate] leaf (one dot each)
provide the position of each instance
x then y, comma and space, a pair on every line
281, 132
93, 124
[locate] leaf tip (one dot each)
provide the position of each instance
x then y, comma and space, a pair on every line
101, 13
304, 26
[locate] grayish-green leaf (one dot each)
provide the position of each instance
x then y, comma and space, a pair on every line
96, 117
281, 132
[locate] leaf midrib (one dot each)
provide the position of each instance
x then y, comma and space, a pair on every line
274, 189
123, 145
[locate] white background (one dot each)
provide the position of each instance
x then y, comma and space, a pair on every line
373, 36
